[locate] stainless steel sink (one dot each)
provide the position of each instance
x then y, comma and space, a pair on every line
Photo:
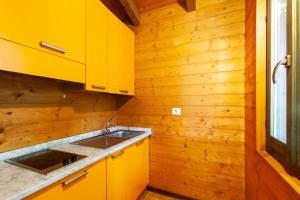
125, 134
108, 140
101, 142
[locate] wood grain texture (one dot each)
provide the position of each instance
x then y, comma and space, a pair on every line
191, 5
263, 182
194, 61
146, 5
35, 110
155, 196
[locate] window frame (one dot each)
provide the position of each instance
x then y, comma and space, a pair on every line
287, 154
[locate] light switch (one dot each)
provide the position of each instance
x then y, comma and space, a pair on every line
176, 111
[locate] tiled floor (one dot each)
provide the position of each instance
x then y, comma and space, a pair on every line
154, 196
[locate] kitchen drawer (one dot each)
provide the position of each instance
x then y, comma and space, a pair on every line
21, 59
89, 183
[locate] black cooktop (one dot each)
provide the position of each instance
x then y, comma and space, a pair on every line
45, 161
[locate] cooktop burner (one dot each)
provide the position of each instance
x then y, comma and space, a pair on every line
45, 161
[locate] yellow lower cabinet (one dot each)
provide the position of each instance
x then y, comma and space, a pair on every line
89, 184
142, 164
128, 172
139, 169
117, 175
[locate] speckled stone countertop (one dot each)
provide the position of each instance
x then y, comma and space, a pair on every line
17, 182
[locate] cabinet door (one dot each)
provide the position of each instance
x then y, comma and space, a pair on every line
91, 187
120, 57
96, 46
53, 26
129, 61
117, 173
142, 166
139, 164
89, 183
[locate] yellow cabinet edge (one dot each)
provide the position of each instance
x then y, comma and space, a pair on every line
21, 59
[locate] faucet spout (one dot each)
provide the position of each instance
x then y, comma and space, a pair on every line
108, 125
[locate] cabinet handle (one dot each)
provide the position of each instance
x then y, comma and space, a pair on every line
50, 46
124, 91
98, 87
139, 142
66, 183
117, 154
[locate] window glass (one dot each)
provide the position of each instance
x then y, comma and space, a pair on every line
278, 52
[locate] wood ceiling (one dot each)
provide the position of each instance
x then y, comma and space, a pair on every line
128, 10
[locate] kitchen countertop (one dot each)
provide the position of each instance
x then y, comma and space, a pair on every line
17, 182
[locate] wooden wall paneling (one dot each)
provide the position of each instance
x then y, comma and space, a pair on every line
194, 61
35, 110
1, 132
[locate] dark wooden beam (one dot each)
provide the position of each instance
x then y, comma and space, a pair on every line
117, 8
191, 5
132, 11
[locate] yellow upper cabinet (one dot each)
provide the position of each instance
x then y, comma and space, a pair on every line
120, 57
79, 41
22, 59
53, 26
96, 46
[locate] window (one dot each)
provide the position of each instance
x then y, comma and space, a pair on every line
283, 95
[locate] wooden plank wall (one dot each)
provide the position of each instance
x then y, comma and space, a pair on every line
35, 110
262, 181
194, 61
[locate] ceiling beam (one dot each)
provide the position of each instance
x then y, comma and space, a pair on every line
132, 11
191, 5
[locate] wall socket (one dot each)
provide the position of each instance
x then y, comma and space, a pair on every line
176, 111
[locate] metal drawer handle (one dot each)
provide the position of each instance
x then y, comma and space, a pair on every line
55, 48
98, 87
124, 91
139, 142
286, 61
117, 154
64, 184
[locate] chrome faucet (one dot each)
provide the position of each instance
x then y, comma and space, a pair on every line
108, 125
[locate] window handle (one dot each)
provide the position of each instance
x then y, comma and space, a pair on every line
286, 62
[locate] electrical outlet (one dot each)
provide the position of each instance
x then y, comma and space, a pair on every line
176, 111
